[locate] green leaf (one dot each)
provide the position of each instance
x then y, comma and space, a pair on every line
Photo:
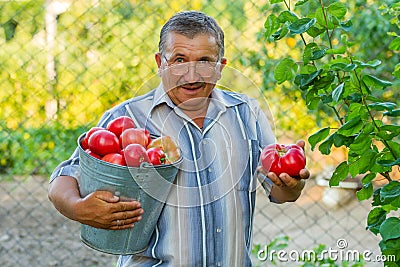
366, 161
339, 174
392, 113
275, 1
383, 106
373, 64
351, 127
390, 228
368, 178
396, 71
338, 92
285, 69
325, 147
306, 79
271, 25
390, 192
361, 143
312, 52
337, 9
339, 50
341, 140
370, 80
9, 29
315, 31
301, 2
286, 15
365, 192
388, 132
375, 218
279, 34
346, 25
395, 44
343, 66
318, 137
301, 25
388, 163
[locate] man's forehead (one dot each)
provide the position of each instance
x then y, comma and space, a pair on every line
202, 42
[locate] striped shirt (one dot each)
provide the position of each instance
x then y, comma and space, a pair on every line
208, 216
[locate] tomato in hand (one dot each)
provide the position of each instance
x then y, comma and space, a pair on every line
118, 125
279, 159
103, 142
156, 155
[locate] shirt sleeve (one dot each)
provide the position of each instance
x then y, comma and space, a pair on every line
69, 167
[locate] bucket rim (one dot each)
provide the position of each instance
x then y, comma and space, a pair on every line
144, 165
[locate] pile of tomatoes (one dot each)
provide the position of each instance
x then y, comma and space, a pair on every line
123, 144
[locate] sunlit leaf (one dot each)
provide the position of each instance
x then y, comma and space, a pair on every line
338, 92
375, 218
285, 69
337, 9
374, 81
395, 44
351, 127
390, 228
318, 137
301, 25
340, 173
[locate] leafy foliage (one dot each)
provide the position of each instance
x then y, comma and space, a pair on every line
330, 75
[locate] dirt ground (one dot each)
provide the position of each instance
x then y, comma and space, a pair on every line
33, 233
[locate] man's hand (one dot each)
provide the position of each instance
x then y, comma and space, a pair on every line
286, 188
101, 209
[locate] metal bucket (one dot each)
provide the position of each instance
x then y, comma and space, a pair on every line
148, 184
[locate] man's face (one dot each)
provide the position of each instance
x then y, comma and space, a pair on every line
189, 69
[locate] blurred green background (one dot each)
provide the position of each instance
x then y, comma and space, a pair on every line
63, 63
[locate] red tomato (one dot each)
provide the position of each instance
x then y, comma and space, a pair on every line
156, 155
118, 125
115, 158
169, 147
135, 154
92, 154
279, 159
103, 142
85, 141
135, 136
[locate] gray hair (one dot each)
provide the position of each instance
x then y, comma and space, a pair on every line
190, 24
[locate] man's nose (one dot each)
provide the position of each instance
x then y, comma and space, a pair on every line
192, 75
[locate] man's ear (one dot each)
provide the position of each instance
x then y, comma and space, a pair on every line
158, 59
220, 68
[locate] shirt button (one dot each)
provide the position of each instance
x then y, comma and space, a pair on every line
209, 170
219, 263
219, 230
204, 142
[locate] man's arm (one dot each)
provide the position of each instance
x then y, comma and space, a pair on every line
100, 209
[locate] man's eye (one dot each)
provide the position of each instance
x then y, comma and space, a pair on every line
179, 60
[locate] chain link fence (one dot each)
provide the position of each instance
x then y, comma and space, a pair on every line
63, 63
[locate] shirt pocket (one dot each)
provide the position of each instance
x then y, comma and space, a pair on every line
249, 162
